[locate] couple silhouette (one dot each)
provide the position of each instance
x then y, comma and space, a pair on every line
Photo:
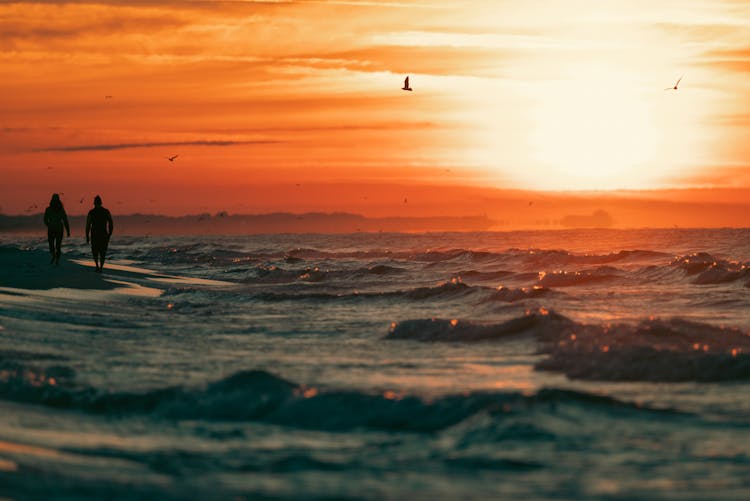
99, 228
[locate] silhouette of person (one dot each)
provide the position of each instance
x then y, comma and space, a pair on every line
99, 227
55, 219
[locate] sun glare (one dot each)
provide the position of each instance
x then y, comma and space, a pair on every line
593, 124
594, 130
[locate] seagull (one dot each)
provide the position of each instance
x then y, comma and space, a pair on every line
171, 159
81, 200
406, 85
675, 85
107, 97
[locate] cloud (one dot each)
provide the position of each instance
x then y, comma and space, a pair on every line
426, 60
35, 25
375, 126
723, 176
737, 60
124, 146
732, 120
702, 33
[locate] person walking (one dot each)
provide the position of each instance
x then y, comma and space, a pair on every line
99, 228
55, 219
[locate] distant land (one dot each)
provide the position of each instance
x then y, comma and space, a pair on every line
280, 222
539, 213
345, 208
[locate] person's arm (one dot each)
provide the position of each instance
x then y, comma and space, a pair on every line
88, 227
46, 217
110, 223
65, 222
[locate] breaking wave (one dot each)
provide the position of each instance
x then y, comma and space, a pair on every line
708, 269
259, 396
669, 350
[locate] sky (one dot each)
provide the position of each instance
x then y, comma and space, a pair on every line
297, 105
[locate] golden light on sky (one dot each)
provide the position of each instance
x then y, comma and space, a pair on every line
545, 95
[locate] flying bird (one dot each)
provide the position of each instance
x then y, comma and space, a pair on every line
171, 159
675, 85
406, 85
107, 97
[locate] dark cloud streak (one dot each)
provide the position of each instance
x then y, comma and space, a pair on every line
74, 28
124, 146
435, 60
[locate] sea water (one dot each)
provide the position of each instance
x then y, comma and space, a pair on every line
588, 364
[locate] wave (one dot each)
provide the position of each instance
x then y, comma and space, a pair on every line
543, 258
572, 278
260, 396
694, 263
652, 350
709, 269
449, 289
487, 275
560, 268
465, 255
642, 363
511, 295
264, 273
536, 257
272, 274
669, 350
525, 259
382, 269
541, 324
202, 253
226, 252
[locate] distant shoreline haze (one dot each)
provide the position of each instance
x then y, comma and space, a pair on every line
282, 222
316, 209
527, 215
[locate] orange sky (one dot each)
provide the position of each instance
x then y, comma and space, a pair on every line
297, 106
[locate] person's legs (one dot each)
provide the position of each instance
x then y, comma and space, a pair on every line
103, 254
58, 247
51, 240
95, 253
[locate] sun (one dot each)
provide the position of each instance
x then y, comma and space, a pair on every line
593, 126
589, 111
591, 132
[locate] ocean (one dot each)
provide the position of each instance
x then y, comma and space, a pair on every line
567, 365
